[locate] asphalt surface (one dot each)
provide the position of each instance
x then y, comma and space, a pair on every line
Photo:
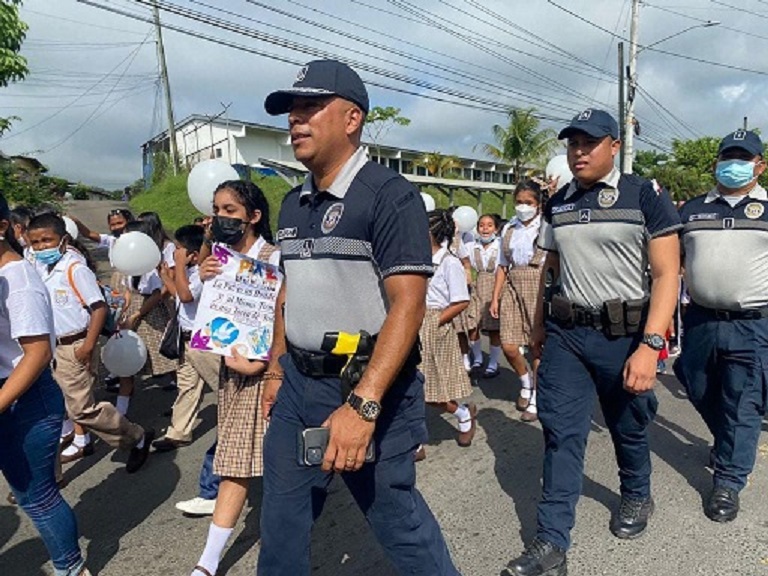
484, 498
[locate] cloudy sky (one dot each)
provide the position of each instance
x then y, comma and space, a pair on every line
92, 97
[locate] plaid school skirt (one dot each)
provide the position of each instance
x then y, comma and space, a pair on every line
151, 329
241, 426
518, 304
441, 364
480, 302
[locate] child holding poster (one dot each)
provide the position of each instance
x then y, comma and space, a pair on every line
241, 221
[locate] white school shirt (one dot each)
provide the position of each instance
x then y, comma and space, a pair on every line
274, 259
25, 310
523, 242
148, 283
167, 253
492, 250
69, 315
448, 284
188, 310
107, 241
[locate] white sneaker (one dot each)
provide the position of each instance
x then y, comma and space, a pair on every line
197, 506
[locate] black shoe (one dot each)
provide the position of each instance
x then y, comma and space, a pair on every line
168, 444
138, 456
539, 559
722, 504
631, 520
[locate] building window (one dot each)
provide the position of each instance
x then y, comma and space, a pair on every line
467, 172
217, 152
421, 171
407, 166
477, 175
394, 163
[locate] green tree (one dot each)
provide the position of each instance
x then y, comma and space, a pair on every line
648, 160
687, 172
13, 66
379, 121
521, 142
440, 165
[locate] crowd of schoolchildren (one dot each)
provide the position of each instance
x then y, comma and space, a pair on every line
55, 310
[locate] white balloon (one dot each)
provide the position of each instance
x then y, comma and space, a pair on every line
124, 354
558, 168
465, 218
135, 253
71, 227
204, 179
429, 202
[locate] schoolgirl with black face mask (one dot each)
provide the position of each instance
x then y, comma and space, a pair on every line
240, 220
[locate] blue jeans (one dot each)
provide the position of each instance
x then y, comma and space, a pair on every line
30, 431
577, 365
724, 368
209, 482
384, 490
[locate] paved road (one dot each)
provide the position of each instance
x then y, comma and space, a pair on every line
484, 497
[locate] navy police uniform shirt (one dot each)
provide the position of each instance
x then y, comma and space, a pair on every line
601, 235
726, 250
339, 245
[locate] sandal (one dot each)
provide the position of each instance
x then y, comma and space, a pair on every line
202, 570
465, 438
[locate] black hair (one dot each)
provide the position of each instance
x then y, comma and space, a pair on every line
253, 198
198, 220
10, 235
125, 213
49, 220
190, 237
540, 192
156, 230
21, 215
441, 225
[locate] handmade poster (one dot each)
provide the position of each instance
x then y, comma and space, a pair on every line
237, 307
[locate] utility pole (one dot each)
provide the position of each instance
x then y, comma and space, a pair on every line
226, 121
746, 123
622, 104
629, 121
167, 87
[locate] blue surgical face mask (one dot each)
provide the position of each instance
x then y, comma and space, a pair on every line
486, 241
735, 173
49, 256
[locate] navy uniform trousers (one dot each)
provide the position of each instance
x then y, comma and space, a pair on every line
724, 368
384, 490
577, 364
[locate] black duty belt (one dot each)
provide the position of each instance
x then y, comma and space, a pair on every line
316, 364
589, 317
71, 338
728, 315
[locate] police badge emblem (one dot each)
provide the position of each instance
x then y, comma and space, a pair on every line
332, 217
607, 197
754, 210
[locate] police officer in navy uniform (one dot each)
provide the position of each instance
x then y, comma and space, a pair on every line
356, 255
724, 363
612, 243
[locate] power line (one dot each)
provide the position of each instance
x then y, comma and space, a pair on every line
758, 14
79, 22
660, 51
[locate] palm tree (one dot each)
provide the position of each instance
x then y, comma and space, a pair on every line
521, 143
439, 165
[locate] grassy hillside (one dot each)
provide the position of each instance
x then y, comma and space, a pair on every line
169, 199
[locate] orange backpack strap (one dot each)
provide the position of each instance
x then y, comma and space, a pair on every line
71, 280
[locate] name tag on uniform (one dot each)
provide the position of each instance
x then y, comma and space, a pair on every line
563, 208
709, 216
287, 233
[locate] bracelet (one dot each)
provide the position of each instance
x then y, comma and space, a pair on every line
272, 376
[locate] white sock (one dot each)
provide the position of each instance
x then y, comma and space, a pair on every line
214, 547
122, 404
81, 441
525, 381
67, 427
477, 352
493, 357
467, 365
464, 418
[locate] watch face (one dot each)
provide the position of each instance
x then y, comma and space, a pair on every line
654, 341
370, 410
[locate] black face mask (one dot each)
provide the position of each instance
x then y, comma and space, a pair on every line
116, 233
227, 230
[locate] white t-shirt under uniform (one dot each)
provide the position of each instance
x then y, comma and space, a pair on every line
25, 310
448, 285
188, 310
69, 313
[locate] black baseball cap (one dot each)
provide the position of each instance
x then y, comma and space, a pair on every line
320, 78
744, 139
596, 123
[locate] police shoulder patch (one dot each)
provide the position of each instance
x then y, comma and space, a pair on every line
607, 197
754, 210
332, 217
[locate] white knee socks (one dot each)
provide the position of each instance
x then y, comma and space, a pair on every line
493, 358
214, 547
477, 352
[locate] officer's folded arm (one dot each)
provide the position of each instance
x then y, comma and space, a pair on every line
664, 260
350, 434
